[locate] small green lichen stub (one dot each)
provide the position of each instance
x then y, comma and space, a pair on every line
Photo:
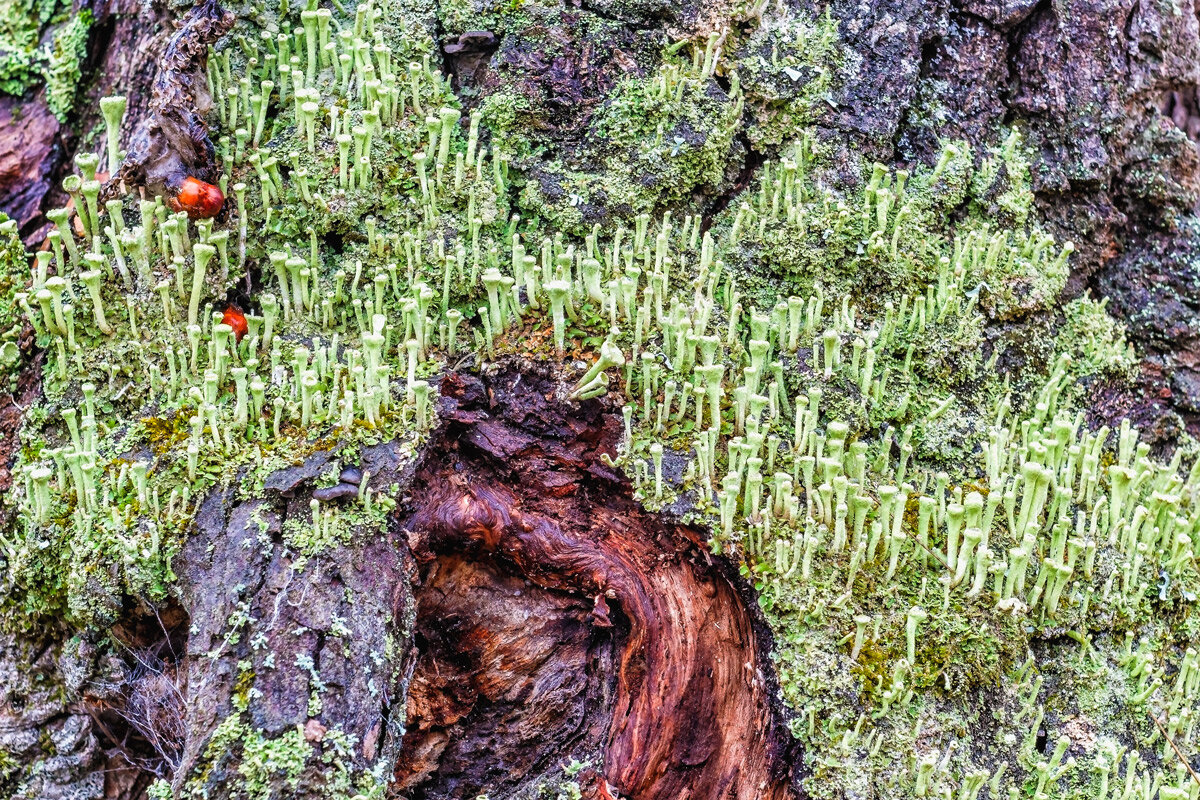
13, 267
955, 566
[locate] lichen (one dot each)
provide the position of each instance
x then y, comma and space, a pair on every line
22, 63
13, 267
1095, 341
951, 562
786, 67
59, 65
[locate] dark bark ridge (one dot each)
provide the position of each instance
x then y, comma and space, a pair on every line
270, 630
662, 669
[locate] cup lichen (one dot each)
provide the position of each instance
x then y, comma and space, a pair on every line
936, 544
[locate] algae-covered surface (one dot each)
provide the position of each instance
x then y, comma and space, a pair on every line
870, 394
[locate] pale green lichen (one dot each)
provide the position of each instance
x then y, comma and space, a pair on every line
22, 63
1095, 341
659, 139
787, 66
64, 67
950, 560
13, 265
58, 64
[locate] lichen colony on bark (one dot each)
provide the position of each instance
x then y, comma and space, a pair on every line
612, 401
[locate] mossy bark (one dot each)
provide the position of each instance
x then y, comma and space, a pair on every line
598, 631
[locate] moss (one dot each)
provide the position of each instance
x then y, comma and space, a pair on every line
64, 67
851, 326
164, 434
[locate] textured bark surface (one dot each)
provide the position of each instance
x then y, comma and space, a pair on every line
126, 42
35, 674
347, 614
171, 141
29, 155
551, 618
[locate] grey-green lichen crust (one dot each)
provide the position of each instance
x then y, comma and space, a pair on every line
973, 594
27, 60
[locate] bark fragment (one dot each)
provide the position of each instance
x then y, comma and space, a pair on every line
269, 630
172, 141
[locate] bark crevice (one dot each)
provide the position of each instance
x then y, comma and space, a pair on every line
524, 536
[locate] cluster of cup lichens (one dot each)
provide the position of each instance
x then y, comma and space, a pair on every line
771, 409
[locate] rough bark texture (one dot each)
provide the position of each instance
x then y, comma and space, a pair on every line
125, 44
550, 616
29, 158
171, 141
348, 615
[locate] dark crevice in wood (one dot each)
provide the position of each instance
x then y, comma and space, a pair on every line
136, 705
558, 619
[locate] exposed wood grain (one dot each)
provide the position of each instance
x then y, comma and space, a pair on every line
517, 491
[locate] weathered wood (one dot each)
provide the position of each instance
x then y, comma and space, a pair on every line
525, 537
29, 154
171, 142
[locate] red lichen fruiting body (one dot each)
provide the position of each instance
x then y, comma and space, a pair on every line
236, 320
199, 199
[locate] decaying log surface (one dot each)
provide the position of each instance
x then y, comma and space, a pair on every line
345, 611
29, 153
127, 40
522, 607
171, 143
551, 617
557, 617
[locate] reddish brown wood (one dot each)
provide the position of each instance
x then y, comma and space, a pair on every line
517, 496
28, 152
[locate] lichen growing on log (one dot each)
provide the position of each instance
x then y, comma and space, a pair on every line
800, 474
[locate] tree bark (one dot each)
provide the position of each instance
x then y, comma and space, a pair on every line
522, 609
